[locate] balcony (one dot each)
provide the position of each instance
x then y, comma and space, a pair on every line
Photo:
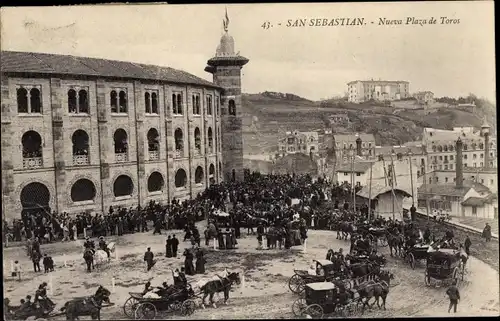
154, 155
121, 157
79, 160
32, 162
178, 153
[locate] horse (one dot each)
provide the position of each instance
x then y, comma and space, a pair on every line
97, 258
395, 242
346, 228
362, 271
87, 306
217, 286
377, 290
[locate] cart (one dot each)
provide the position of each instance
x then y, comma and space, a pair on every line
417, 253
138, 307
444, 265
325, 272
323, 298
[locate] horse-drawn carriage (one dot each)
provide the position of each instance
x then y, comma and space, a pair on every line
324, 298
325, 272
139, 307
19, 313
444, 265
416, 253
378, 235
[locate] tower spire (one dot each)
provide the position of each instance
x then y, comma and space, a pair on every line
225, 22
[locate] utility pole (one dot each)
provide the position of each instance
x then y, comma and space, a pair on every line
370, 193
351, 153
392, 190
410, 154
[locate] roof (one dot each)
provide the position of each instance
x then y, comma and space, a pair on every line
359, 167
324, 262
348, 138
379, 189
378, 81
451, 189
321, 286
387, 150
480, 201
43, 63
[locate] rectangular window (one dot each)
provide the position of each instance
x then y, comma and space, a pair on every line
446, 179
196, 104
358, 174
345, 174
177, 103
209, 105
474, 210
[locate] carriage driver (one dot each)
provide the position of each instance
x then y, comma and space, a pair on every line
41, 297
103, 246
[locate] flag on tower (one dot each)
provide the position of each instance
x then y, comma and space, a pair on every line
226, 21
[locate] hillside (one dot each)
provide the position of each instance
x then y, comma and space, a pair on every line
270, 114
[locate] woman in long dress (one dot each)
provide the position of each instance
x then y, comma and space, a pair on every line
188, 262
200, 262
168, 251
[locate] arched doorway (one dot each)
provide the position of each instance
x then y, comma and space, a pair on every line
35, 198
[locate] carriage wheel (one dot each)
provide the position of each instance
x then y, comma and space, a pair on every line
427, 278
145, 311
411, 258
455, 277
188, 307
315, 311
130, 306
296, 284
299, 306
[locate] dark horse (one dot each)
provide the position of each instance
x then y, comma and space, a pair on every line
88, 256
395, 242
88, 306
377, 290
345, 229
217, 286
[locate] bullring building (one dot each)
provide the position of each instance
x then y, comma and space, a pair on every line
82, 134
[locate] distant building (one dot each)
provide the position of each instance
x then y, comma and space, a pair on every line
417, 156
359, 91
361, 144
339, 119
439, 146
424, 97
486, 177
298, 142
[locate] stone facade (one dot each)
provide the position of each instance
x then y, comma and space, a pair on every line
58, 168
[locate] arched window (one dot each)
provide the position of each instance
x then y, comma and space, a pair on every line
232, 107
179, 140
481, 145
83, 190
35, 101
22, 100
198, 175
210, 138
473, 146
180, 178
113, 101
154, 103
32, 149
121, 145
153, 140
80, 140
83, 102
155, 182
196, 104
179, 104
451, 148
123, 186
434, 148
209, 105
445, 148
147, 102
197, 139
211, 173
123, 102
440, 148
72, 101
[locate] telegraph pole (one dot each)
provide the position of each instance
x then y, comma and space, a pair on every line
370, 193
410, 154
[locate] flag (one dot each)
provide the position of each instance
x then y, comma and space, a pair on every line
226, 21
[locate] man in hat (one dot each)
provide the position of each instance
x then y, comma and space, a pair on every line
149, 259
103, 246
175, 245
454, 296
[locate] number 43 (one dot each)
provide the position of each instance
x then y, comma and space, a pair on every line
266, 25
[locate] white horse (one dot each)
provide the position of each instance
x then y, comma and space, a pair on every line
101, 257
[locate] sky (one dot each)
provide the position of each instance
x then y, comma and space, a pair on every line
312, 62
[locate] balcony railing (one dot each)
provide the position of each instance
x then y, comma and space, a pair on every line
79, 160
121, 157
154, 155
178, 153
32, 162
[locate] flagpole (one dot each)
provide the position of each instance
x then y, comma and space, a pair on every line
370, 193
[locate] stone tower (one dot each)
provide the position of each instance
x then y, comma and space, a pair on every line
226, 70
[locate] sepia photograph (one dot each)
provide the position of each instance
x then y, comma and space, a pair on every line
249, 161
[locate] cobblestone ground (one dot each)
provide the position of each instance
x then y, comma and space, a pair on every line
265, 293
